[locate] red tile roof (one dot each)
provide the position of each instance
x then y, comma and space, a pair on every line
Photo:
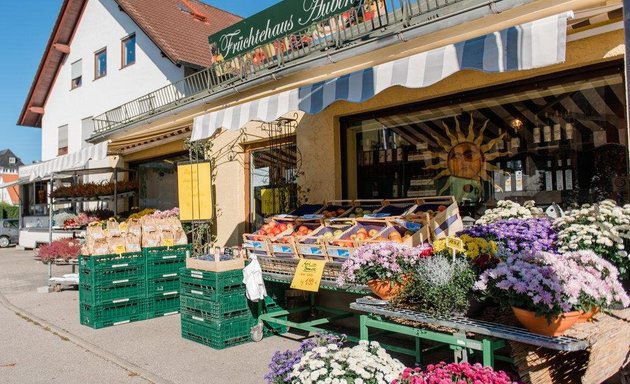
13, 191
179, 34
173, 25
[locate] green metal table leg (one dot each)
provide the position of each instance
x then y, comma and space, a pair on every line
488, 353
363, 329
418, 350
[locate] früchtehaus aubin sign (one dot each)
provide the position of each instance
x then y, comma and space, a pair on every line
275, 22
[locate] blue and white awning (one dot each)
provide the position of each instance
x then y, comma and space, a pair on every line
527, 46
67, 162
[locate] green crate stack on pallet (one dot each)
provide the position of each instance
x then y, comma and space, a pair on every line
112, 289
162, 278
214, 308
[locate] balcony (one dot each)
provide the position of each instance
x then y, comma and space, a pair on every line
322, 38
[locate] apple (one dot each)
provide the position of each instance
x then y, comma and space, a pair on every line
442, 208
272, 224
338, 232
372, 232
265, 228
289, 225
366, 212
341, 211
282, 226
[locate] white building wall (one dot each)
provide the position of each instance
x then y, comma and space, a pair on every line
102, 25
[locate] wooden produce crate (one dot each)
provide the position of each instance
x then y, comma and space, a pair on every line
444, 216
364, 207
342, 247
397, 207
285, 246
215, 266
313, 246
336, 208
407, 233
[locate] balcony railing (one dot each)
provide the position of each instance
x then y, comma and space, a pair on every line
336, 32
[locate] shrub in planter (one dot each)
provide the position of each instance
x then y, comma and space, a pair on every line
456, 373
366, 363
554, 285
282, 363
62, 249
439, 285
601, 228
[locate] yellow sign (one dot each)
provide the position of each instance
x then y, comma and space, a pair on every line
455, 243
308, 275
120, 249
168, 242
194, 188
274, 200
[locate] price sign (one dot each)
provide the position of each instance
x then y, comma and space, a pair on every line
455, 243
308, 275
119, 249
168, 242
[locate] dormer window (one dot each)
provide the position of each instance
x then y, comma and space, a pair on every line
12, 160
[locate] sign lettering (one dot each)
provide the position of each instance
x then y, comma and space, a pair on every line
286, 17
455, 243
308, 275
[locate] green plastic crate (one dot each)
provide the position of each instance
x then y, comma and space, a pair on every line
119, 291
208, 289
225, 335
221, 281
229, 306
99, 263
107, 277
100, 316
163, 286
164, 268
167, 253
162, 306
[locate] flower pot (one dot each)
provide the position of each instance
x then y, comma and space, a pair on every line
384, 288
587, 316
540, 325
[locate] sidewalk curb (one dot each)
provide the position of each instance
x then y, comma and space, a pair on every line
96, 350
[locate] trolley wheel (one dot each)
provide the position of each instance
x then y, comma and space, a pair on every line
257, 332
57, 287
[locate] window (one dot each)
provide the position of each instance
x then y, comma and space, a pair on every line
100, 63
11, 160
563, 142
272, 180
87, 128
62, 140
76, 74
128, 50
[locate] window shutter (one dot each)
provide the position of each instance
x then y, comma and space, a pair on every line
77, 69
63, 136
87, 128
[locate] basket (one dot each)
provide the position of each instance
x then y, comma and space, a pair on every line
226, 334
100, 316
228, 307
120, 291
112, 262
162, 306
211, 289
175, 252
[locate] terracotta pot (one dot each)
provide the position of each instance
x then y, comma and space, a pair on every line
539, 324
384, 288
587, 316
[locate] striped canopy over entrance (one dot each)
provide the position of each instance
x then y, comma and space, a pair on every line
532, 45
66, 162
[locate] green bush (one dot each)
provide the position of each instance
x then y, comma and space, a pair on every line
439, 286
8, 211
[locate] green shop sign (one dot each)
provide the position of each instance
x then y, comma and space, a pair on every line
286, 17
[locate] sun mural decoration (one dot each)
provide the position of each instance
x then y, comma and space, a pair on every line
466, 156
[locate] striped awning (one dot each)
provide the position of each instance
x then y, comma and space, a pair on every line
67, 162
527, 46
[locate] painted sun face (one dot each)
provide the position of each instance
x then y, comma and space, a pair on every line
466, 156
465, 160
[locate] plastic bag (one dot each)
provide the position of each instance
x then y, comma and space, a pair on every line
113, 229
132, 242
116, 245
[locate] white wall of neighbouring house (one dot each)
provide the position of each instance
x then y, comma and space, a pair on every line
102, 25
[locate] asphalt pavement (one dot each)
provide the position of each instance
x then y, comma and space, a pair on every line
42, 341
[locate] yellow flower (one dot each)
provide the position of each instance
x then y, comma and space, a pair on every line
439, 245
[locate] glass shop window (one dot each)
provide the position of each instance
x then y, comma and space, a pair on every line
273, 182
564, 143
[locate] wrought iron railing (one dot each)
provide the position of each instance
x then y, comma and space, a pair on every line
336, 32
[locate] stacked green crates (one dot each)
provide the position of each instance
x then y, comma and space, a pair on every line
163, 265
112, 289
214, 308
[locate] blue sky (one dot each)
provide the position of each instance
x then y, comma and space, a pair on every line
25, 29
